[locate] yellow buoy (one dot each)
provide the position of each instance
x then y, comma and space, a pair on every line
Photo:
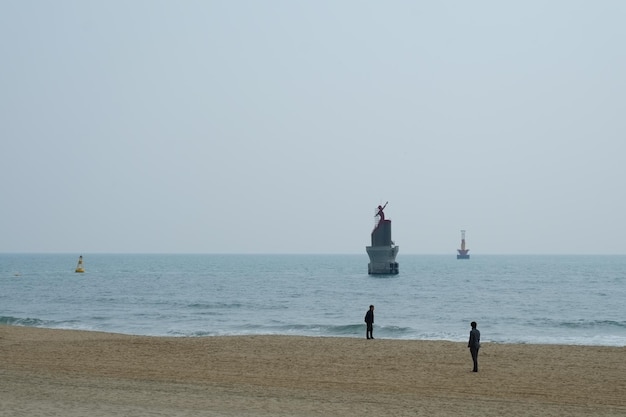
79, 267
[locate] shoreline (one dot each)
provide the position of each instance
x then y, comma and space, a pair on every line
77, 373
315, 336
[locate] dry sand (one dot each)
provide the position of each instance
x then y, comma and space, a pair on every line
73, 373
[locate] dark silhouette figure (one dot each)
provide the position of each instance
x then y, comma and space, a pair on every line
474, 345
381, 213
369, 320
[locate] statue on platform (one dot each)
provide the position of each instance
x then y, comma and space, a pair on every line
382, 251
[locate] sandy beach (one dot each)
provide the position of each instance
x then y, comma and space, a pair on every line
75, 373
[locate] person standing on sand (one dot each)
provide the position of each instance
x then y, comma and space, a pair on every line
369, 320
474, 345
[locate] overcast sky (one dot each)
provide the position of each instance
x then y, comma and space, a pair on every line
279, 126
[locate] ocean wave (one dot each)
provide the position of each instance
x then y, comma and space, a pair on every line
588, 324
26, 322
216, 305
46, 324
597, 340
579, 323
325, 330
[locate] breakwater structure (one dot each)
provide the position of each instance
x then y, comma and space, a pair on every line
462, 253
383, 250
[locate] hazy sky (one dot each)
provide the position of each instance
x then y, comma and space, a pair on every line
279, 126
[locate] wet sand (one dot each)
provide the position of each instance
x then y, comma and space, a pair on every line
74, 373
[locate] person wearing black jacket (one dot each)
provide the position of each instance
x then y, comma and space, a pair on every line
369, 319
474, 344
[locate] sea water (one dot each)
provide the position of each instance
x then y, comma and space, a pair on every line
514, 299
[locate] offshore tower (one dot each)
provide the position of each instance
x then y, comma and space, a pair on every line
383, 250
462, 252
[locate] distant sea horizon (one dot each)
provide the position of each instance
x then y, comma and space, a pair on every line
363, 253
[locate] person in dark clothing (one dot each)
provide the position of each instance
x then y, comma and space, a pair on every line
369, 319
474, 345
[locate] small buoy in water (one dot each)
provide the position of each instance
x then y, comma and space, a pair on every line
79, 267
